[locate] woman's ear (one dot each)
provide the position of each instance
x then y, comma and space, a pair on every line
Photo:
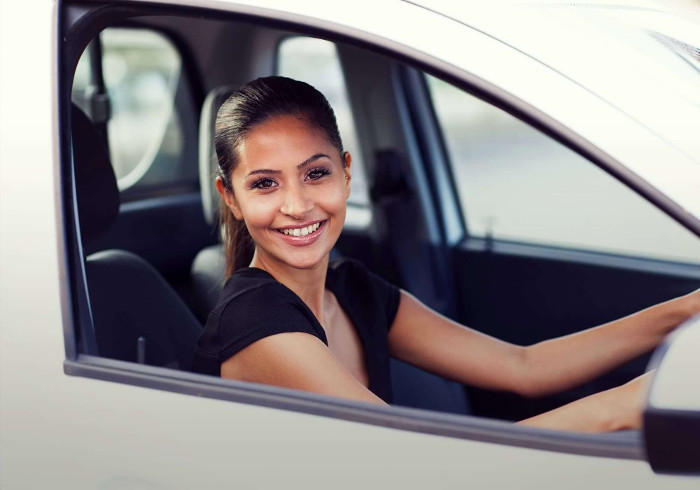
228, 198
347, 160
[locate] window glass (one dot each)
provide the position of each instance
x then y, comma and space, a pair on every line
316, 62
515, 183
142, 72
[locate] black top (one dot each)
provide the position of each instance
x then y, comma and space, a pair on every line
253, 305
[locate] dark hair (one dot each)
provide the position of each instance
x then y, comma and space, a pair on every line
252, 105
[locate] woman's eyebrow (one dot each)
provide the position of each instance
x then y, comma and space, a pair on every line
263, 171
300, 166
312, 159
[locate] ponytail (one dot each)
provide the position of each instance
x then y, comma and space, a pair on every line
238, 244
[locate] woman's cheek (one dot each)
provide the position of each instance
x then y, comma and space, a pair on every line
260, 212
334, 194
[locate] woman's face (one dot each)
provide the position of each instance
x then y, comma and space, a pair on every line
290, 188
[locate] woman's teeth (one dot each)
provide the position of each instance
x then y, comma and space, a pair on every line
301, 231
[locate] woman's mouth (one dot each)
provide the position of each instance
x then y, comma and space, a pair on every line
303, 235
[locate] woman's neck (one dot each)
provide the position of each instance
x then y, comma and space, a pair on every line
308, 284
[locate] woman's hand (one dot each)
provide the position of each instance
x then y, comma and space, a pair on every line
663, 318
690, 303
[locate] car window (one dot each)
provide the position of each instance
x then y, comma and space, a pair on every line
142, 72
316, 62
515, 183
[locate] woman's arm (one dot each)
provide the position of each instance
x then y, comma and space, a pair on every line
615, 409
429, 340
559, 364
296, 360
424, 338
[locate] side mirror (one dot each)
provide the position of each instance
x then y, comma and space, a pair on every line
672, 414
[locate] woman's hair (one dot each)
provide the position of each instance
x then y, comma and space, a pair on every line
252, 105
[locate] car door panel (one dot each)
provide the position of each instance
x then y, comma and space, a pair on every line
525, 298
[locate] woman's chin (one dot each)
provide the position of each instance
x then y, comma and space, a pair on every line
307, 262
296, 259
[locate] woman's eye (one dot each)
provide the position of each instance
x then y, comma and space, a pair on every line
317, 173
264, 183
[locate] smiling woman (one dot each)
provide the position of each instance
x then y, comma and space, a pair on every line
289, 120
292, 195
284, 181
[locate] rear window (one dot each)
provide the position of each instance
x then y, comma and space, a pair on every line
140, 100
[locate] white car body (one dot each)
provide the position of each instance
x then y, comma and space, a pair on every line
69, 431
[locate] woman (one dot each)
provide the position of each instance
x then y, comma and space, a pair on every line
287, 317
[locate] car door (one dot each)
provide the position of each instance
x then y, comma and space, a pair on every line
107, 423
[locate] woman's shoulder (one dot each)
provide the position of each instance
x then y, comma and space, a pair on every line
253, 287
253, 299
253, 305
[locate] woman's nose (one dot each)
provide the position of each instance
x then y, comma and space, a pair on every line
296, 203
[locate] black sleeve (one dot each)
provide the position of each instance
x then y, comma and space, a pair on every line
388, 294
374, 289
259, 313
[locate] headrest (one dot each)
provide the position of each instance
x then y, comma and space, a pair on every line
208, 162
96, 188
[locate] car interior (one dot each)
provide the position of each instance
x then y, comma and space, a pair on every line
144, 94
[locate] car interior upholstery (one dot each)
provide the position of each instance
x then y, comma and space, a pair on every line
208, 267
137, 316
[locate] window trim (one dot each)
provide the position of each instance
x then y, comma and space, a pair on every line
75, 26
620, 446
580, 256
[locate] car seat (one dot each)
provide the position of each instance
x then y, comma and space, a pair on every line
209, 266
136, 315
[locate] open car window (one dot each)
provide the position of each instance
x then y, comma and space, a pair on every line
510, 183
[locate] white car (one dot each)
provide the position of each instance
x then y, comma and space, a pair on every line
528, 169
